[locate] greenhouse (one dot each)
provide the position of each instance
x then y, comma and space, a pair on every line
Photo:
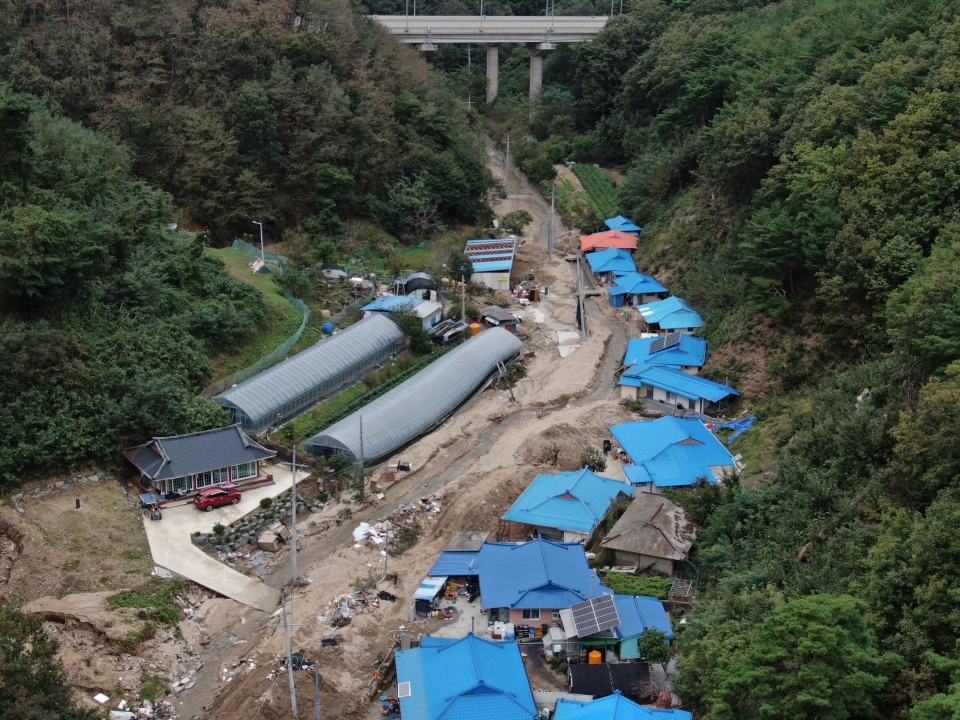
421, 403
277, 394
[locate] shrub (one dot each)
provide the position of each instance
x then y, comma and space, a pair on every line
266, 502
623, 584
593, 458
218, 529
516, 221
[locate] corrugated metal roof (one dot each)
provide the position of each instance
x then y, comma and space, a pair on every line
575, 501
670, 313
641, 612
393, 303
674, 451
491, 255
170, 457
691, 352
614, 707
419, 403
608, 239
467, 679
611, 260
622, 223
652, 526
676, 381
334, 361
639, 284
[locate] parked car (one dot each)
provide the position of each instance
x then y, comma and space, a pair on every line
209, 498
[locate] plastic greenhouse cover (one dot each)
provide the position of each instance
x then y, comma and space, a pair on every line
414, 406
262, 395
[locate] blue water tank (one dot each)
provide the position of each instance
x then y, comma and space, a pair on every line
327, 328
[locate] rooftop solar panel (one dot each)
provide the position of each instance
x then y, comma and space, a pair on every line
595, 615
671, 340
657, 345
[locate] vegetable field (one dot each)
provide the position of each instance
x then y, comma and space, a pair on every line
602, 193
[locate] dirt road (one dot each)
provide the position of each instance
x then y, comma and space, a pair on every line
478, 462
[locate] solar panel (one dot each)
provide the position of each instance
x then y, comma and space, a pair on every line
595, 615
657, 345
671, 340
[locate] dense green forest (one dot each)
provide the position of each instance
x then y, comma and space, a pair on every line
121, 120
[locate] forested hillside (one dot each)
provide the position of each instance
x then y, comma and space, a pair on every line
299, 114
796, 167
119, 119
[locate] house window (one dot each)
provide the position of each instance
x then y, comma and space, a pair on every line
220, 476
180, 485
531, 614
204, 479
246, 470
556, 614
671, 397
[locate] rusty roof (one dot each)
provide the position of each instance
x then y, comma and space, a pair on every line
652, 526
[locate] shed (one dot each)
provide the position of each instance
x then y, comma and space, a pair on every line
671, 314
672, 386
635, 289
417, 284
492, 261
494, 316
424, 597
672, 452
606, 264
653, 534
420, 403
638, 613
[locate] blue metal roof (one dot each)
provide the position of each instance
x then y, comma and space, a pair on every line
535, 574
691, 352
392, 303
615, 260
671, 451
575, 501
670, 313
676, 381
639, 284
495, 255
614, 707
640, 612
466, 679
624, 224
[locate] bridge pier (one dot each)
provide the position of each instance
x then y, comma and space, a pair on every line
493, 69
537, 52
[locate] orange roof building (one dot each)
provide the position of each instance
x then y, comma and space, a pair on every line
608, 239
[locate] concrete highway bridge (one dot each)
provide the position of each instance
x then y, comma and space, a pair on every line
538, 33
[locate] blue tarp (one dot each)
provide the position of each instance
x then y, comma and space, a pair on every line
740, 426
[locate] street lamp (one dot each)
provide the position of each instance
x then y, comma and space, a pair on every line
257, 222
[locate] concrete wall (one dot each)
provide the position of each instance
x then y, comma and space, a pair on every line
495, 280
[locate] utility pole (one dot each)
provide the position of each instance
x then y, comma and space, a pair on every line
553, 198
257, 222
360, 483
463, 300
286, 637
293, 530
316, 682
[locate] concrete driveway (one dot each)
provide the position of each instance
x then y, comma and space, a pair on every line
172, 548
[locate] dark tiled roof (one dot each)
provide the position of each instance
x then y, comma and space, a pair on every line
169, 457
631, 679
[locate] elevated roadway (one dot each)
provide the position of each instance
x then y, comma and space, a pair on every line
539, 33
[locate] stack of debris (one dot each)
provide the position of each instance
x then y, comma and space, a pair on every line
146, 711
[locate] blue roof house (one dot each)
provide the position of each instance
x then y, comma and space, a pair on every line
492, 261
636, 289
564, 508
525, 582
673, 387
676, 350
672, 314
623, 224
638, 613
672, 452
614, 707
466, 679
610, 262
427, 310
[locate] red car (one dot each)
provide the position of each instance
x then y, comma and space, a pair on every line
209, 498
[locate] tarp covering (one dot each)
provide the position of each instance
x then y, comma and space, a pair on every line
420, 403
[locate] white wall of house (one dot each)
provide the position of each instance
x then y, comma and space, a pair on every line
630, 392
495, 280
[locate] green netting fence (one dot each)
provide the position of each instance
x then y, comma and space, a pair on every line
268, 360
254, 252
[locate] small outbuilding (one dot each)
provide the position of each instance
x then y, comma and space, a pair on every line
621, 223
635, 289
608, 239
494, 316
429, 312
492, 261
614, 707
652, 535
670, 315
638, 613
632, 680
607, 264
418, 285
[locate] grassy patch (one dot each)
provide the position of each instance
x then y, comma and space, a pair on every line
295, 429
156, 598
602, 193
624, 584
152, 687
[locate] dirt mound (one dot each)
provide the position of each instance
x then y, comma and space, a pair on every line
89, 611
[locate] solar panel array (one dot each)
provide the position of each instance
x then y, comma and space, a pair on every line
663, 343
595, 615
